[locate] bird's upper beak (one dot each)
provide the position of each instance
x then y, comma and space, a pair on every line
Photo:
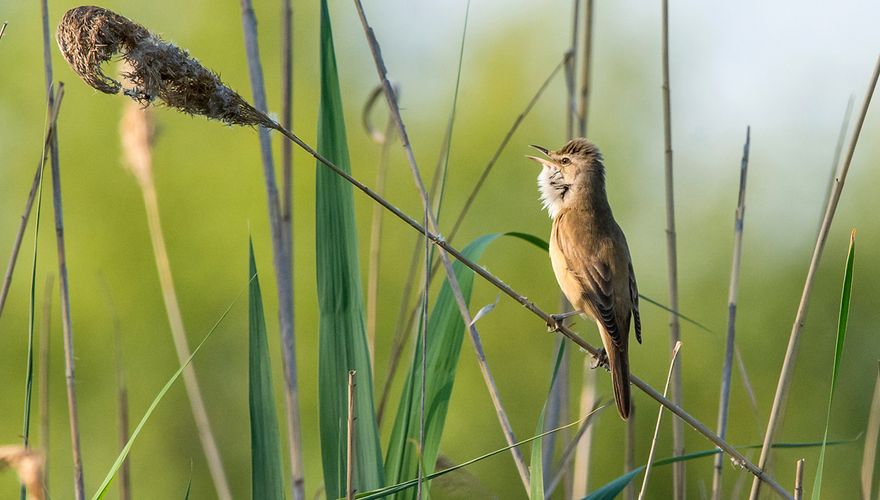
543, 161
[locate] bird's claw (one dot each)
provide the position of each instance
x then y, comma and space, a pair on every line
556, 322
600, 360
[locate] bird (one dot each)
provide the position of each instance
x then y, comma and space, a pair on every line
589, 254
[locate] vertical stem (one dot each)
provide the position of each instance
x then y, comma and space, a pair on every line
350, 465
63, 280
583, 107
281, 257
723, 404
799, 480
794, 339
678, 469
121, 396
376, 244
630, 452
675, 350
181, 346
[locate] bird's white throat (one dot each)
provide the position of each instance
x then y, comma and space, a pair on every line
552, 187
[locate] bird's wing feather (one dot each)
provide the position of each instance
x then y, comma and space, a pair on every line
594, 273
634, 293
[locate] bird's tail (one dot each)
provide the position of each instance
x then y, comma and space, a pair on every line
619, 364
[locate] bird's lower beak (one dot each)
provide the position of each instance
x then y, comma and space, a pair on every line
543, 161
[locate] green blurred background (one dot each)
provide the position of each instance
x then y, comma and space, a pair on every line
786, 69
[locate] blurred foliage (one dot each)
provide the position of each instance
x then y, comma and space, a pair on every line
211, 194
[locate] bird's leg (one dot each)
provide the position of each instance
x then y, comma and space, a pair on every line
601, 359
556, 320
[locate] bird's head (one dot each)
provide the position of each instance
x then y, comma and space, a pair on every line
565, 171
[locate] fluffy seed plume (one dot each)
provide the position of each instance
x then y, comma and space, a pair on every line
89, 36
28, 463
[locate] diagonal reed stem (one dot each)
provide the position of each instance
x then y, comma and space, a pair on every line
281, 254
440, 242
801, 316
731, 314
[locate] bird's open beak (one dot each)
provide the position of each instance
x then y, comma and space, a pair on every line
543, 161
542, 149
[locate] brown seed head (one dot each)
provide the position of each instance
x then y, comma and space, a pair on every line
28, 463
89, 36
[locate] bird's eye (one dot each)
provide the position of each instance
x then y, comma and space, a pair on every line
566, 161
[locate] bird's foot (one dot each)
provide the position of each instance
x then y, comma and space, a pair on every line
558, 320
601, 359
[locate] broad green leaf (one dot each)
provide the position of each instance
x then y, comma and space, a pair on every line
343, 343
266, 479
843, 318
537, 465
102, 490
445, 335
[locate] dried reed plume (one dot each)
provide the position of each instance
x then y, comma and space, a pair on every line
89, 36
28, 463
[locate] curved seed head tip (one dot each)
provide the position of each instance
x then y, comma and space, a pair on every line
89, 36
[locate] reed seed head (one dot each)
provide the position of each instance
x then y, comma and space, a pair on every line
89, 36
28, 463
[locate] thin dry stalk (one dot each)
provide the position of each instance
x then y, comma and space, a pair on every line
431, 221
657, 427
727, 371
32, 194
43, 377
63, 280
28, 464
799, 480
281, 253
582, 460
586, 67
350, 465
678, 468
585, 444
121, 395
287, 122
629, 461
384, 141
871, 433
136, 134
3, 29
794, 339
570, 63
568, 454
525, 302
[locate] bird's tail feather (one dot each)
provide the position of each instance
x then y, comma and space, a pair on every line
619, 365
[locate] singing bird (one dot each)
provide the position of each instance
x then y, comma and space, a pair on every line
589, 253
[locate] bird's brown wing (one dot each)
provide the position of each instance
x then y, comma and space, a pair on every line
589, 262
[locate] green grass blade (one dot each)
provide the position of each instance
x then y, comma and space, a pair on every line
266, 479
537, 463
343, 343
102, 490
843, 318
444, 347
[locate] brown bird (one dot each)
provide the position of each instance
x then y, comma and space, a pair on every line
589, 253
